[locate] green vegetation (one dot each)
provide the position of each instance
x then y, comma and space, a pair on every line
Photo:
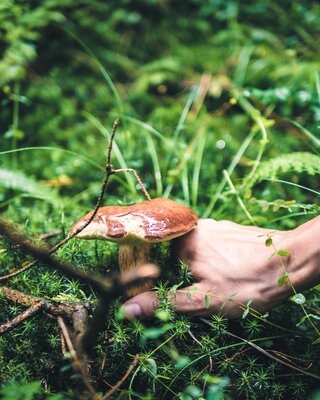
218, 101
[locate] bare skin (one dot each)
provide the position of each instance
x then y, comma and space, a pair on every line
232, 264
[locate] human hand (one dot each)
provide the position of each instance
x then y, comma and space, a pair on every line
232, 265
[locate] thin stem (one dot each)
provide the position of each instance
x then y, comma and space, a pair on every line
113, 132
145, 192
15, 121
292, 287
125, 376
240, 201
77, 362
34, 309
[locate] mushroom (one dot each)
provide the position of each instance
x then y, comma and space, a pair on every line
135, 228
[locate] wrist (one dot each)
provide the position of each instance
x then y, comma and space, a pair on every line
305, 255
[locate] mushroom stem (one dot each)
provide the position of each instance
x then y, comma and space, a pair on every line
132, 255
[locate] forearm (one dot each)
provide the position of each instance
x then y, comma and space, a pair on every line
305, 251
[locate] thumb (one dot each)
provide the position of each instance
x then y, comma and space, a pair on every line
141, 306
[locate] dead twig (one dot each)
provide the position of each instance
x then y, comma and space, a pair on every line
133, 171
34, 309
120, 382
78, 364
77, 312
109, 172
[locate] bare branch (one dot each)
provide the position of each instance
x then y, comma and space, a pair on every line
145, 192
125, 376
78, 364
34, 309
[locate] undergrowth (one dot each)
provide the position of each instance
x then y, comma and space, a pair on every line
220, 112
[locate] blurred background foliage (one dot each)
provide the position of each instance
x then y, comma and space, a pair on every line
199, 87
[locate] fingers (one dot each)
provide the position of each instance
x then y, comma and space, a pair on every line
141, 306
192, 300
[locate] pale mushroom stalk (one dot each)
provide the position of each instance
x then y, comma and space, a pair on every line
133, 255
135, 228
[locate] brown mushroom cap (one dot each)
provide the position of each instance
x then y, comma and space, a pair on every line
152, 221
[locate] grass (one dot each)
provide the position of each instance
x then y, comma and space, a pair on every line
247, 150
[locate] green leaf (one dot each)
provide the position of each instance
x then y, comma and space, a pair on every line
20, 391
283, 279
191, 290
182, 362
298, 298
152, 365
207, 301
307, 317
246, 311
163, 315
283, 253
154, 333
268, 242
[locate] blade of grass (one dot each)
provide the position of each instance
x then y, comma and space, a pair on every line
309, 135
190, 100
214, 198
185, 184
196, 170
147, 127
156, 166
101, 68
293, 184
261, 123
44, 148
242, 66
317, 79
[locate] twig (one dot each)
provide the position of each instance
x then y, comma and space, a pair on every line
77, 362
145, 192
109, 172
77, 312
34, 309
125, 376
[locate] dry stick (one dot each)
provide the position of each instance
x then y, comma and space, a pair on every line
105, 286
145, 192
109, 172
77, 362
75, 311
97, 282
34, 309
125, 376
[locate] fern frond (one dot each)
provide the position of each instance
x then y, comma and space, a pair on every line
294, 162
19, 182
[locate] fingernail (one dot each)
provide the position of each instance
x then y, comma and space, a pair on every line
132, 310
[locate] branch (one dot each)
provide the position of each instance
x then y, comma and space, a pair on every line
78, 364
125, 376
34, 309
